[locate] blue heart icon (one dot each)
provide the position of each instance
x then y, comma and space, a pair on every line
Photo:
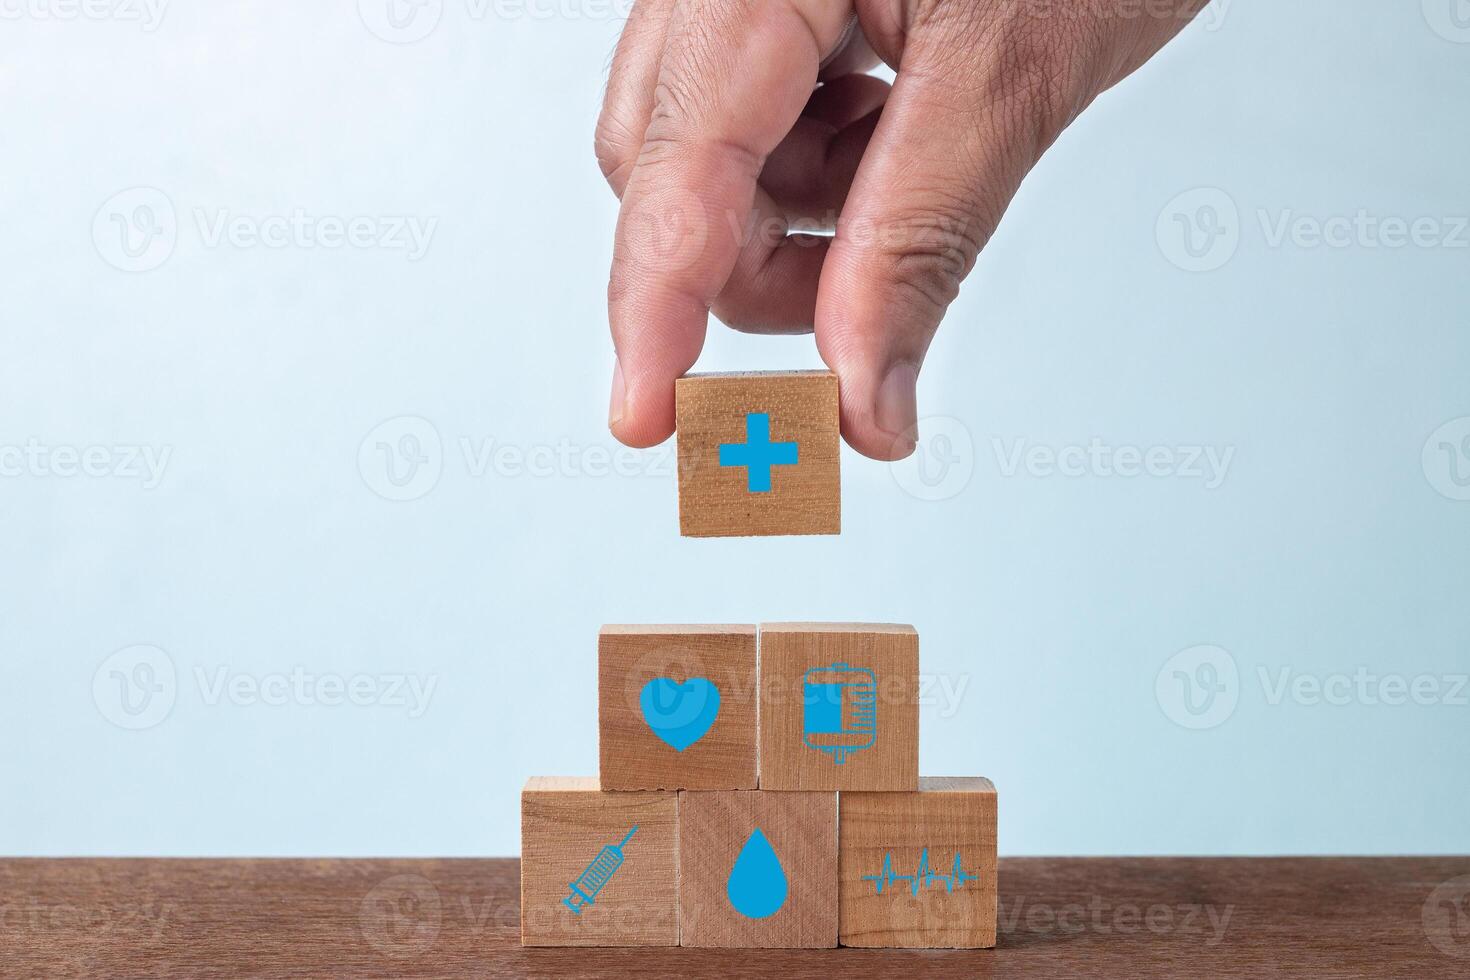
679, 714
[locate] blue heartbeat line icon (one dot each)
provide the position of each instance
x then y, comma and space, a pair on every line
923, 875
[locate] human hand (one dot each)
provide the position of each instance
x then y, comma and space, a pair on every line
718, 142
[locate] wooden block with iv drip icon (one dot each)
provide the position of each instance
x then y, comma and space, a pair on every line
839, 707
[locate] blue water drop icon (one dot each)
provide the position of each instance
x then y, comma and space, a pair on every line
757, 885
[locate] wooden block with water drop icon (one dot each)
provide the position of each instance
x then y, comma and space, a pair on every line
918, 870
758, 869
598, 869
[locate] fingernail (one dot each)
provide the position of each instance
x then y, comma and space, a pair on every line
897, 411
619, 394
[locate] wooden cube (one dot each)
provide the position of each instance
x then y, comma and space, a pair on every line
676, 707
839, 707
918, 869
758, 869
758, 454
598, 869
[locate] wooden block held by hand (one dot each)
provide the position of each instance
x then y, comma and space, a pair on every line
839, 707
758, 454
598, 869
918, 869
758, 869
676, 707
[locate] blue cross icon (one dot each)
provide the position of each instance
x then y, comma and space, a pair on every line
758, 453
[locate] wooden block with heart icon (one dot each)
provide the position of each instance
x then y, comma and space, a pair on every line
676, 707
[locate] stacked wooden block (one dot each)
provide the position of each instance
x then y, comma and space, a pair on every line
758, 786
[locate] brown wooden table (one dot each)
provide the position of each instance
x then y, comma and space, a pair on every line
1060, 917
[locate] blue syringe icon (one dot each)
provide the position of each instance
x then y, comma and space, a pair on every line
592, 880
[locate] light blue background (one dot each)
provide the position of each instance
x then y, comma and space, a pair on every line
1057, 601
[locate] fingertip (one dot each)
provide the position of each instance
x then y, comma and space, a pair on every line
880, 412
640, 416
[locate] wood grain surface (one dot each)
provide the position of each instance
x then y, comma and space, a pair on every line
565, 824
950, 822
1059, 918
804, 498
891, 652
630, 755
800, 827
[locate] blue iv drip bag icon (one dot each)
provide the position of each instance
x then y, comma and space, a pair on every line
839, 710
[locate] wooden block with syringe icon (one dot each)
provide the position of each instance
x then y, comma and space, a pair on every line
598, 869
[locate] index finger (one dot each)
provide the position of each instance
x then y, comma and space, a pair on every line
734, 79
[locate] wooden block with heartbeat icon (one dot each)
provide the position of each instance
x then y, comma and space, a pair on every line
917, 870
758, 454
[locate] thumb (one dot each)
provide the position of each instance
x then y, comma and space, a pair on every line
958, 135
